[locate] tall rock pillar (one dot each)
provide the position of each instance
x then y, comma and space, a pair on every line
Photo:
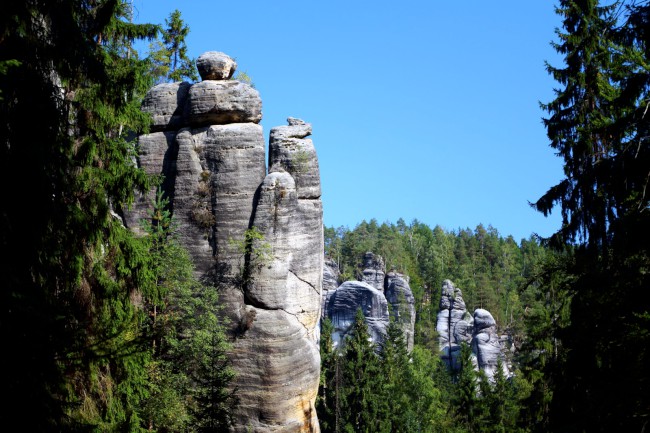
208, 146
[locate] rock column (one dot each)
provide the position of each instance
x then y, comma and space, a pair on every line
209, 147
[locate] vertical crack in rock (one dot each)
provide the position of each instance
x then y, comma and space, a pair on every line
270, 289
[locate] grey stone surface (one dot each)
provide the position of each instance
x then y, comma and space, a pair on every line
215, 65
216, 178
291, 151
400, 297
373, 271
157, 156
331, 275
455, 326
347, 299
166, 104
220, 102
486, 343
331, 282
277, 366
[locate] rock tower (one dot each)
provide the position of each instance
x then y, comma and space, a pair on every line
379, 295
207, 143
455, 325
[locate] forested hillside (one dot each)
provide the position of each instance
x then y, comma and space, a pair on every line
494, 272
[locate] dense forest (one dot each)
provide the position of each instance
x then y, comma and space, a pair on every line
395, 391
105, 330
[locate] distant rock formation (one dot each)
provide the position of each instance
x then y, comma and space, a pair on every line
379, 295
331, 282
400, 297
208, 145
373, 271
456, 326
347, 299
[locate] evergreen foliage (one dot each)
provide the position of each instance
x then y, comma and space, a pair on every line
490, 269
360, 373
88, 309
168, 57
189, 373
327, 402
598, 123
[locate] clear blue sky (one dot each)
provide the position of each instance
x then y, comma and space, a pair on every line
420, 109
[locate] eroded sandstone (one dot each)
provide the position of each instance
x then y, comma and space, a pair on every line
212, 157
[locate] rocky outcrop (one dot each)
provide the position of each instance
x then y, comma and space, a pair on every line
456, 326
166, 104
342, 308
400, 297
211, 151
373, 271
379, 296
215, 65
331, 282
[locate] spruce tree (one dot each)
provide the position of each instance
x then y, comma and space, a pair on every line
168, 57
68, 320
360, 370
466, 402
598, 125
189, 374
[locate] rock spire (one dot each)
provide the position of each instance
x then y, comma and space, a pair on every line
209, 146
456, 326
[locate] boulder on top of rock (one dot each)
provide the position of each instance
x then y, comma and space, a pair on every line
291, 151
215, 65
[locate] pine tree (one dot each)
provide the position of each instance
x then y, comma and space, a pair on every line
168, 57
466, 402
189, 374
394, 398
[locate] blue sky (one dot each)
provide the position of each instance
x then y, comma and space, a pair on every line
420, 109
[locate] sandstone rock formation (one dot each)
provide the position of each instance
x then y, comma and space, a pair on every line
400, 297
456, 326
347, 299
215, 65
379, 295
373, 271
331, 282
211, 151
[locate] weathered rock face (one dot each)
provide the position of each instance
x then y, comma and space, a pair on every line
340, 304
400, 297
347, 299
218, 102
373, 271
456, 326
215, 65
166, 104
486, 342
331, 282
211, 152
